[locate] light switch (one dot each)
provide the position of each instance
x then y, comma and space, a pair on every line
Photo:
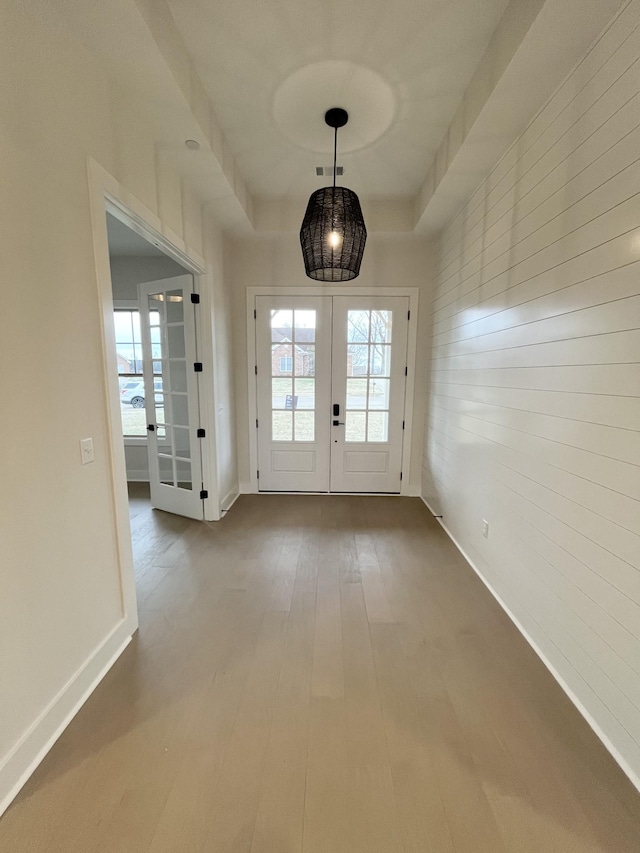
86, 450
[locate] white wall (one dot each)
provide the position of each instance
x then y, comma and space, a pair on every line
535, 391
128, 271
390, 260
222, 308
62, 616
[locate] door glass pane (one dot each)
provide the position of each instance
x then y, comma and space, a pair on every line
165, 465
163, 409
305, 393
356, 426
304, 361
380, 360
309, 360
358, 323
281, 389
179, 409
175, 337
379, 393
183, 475
357, 393
182, 447
281, 360
155, 309
304, 426
304, 329
174, 305
281, 325
357, 359
282, 426
380, 327
178, 376
378, 426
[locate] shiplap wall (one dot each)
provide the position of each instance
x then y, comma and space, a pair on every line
534, 413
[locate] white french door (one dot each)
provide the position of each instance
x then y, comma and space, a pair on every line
168, 335
330, 392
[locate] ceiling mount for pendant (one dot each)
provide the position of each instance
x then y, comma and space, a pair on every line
336, 117
333, 233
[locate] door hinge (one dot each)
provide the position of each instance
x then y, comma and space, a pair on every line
402, 424
197, 366
400, 474
408, 315
255, 314
256, 369
195, 298
204, 494
258, 474
256, 423
201, 433
406, 371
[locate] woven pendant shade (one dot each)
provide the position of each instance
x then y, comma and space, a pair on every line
333, 235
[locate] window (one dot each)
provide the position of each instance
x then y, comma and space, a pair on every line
129, 366
286, 364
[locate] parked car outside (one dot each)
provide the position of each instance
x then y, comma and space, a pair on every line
133, 392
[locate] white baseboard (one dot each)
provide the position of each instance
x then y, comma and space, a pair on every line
229, 500
28, 752
624, 765
137, 476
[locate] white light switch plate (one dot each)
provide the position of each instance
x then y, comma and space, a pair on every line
86, 450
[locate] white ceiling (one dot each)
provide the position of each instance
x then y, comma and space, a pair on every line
272, 67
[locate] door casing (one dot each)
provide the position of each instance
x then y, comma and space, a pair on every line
330, 290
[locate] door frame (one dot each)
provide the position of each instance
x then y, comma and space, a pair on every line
106, 194
332, 290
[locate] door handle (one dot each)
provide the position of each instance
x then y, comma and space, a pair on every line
151, 427
338, 423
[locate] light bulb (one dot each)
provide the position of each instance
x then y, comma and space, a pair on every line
334, 239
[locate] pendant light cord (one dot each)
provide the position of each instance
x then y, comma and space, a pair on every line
335, 154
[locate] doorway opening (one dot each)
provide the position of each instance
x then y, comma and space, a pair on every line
154, 303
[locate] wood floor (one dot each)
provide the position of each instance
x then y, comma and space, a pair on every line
327, 675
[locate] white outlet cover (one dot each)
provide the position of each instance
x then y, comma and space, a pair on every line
86, 450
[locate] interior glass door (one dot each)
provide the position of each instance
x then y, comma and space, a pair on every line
171, 395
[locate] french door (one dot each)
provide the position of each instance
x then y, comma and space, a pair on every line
167, 324
330, 390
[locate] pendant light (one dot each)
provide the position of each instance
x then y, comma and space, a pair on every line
333, 232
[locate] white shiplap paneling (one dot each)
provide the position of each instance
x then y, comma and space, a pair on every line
534, 422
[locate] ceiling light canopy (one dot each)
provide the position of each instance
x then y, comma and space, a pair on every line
333, 233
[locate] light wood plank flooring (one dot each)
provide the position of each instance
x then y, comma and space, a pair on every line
327, 675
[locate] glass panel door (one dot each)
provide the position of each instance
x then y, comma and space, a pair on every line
330, 381
368, 387
171, 395
292, 335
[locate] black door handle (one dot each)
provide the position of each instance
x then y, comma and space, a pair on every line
151, 427
338, 423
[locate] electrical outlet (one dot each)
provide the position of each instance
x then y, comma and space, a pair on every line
86, 450
485, 528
